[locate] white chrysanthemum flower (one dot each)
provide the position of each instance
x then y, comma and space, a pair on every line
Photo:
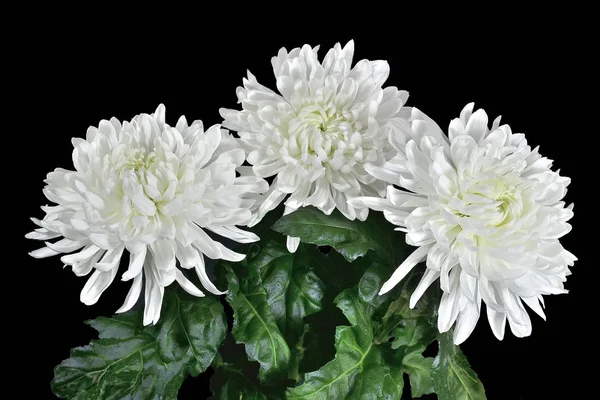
315, 137
486, 212
151, 189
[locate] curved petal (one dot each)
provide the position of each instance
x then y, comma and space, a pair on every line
153, 295
111, 259
187, 285
96, 285
403, 269
204, 279
428, 278
136, 263
292, 243
465, 323
133, 295
234, 233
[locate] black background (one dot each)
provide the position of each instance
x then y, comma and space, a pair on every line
73, 71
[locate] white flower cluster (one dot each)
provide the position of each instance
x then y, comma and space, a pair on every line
486, 213
151, 189
315, 136
484, 210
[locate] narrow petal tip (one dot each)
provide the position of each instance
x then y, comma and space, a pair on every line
386, 288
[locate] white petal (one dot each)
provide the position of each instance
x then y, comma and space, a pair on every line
205, 243
96, 285
445, 272
396, 217
188, 256
143, 204
85, 254
497, 322
84, 267
374, 203
470, 263
534, 304
477, 125
449, 307
251, 184
292, 243
403, 269
228, 254
466, 112
341, 203
437, 257
457, 128
43, 253
163, 255
267, 170
136, 263
430, 128
133, 294
159, 115
110, 259
95, 200
402, 198
296, 200
102, 240
153, 295
208, 285
520, 330
66, 245
428, 278
488, 292
513, 306
321, 197
465, 323
383, 174
234, 233
270, 201
187, 285
468, 286
42, 234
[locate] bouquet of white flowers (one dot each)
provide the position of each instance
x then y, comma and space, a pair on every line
326, 207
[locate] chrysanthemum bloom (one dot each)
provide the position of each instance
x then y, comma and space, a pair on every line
486, 212
151, 189
315, 137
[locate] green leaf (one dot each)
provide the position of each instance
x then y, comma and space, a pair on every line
337, 274
358, 370
235, 376
411, 331
254, 323
352, 239
319, 340
453, 378
336, 379
128, 362
231, 382
119, 326
293, 290
371, 281
358, 313
416, 325
191, 329
418, 369
411, 338
377, 380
